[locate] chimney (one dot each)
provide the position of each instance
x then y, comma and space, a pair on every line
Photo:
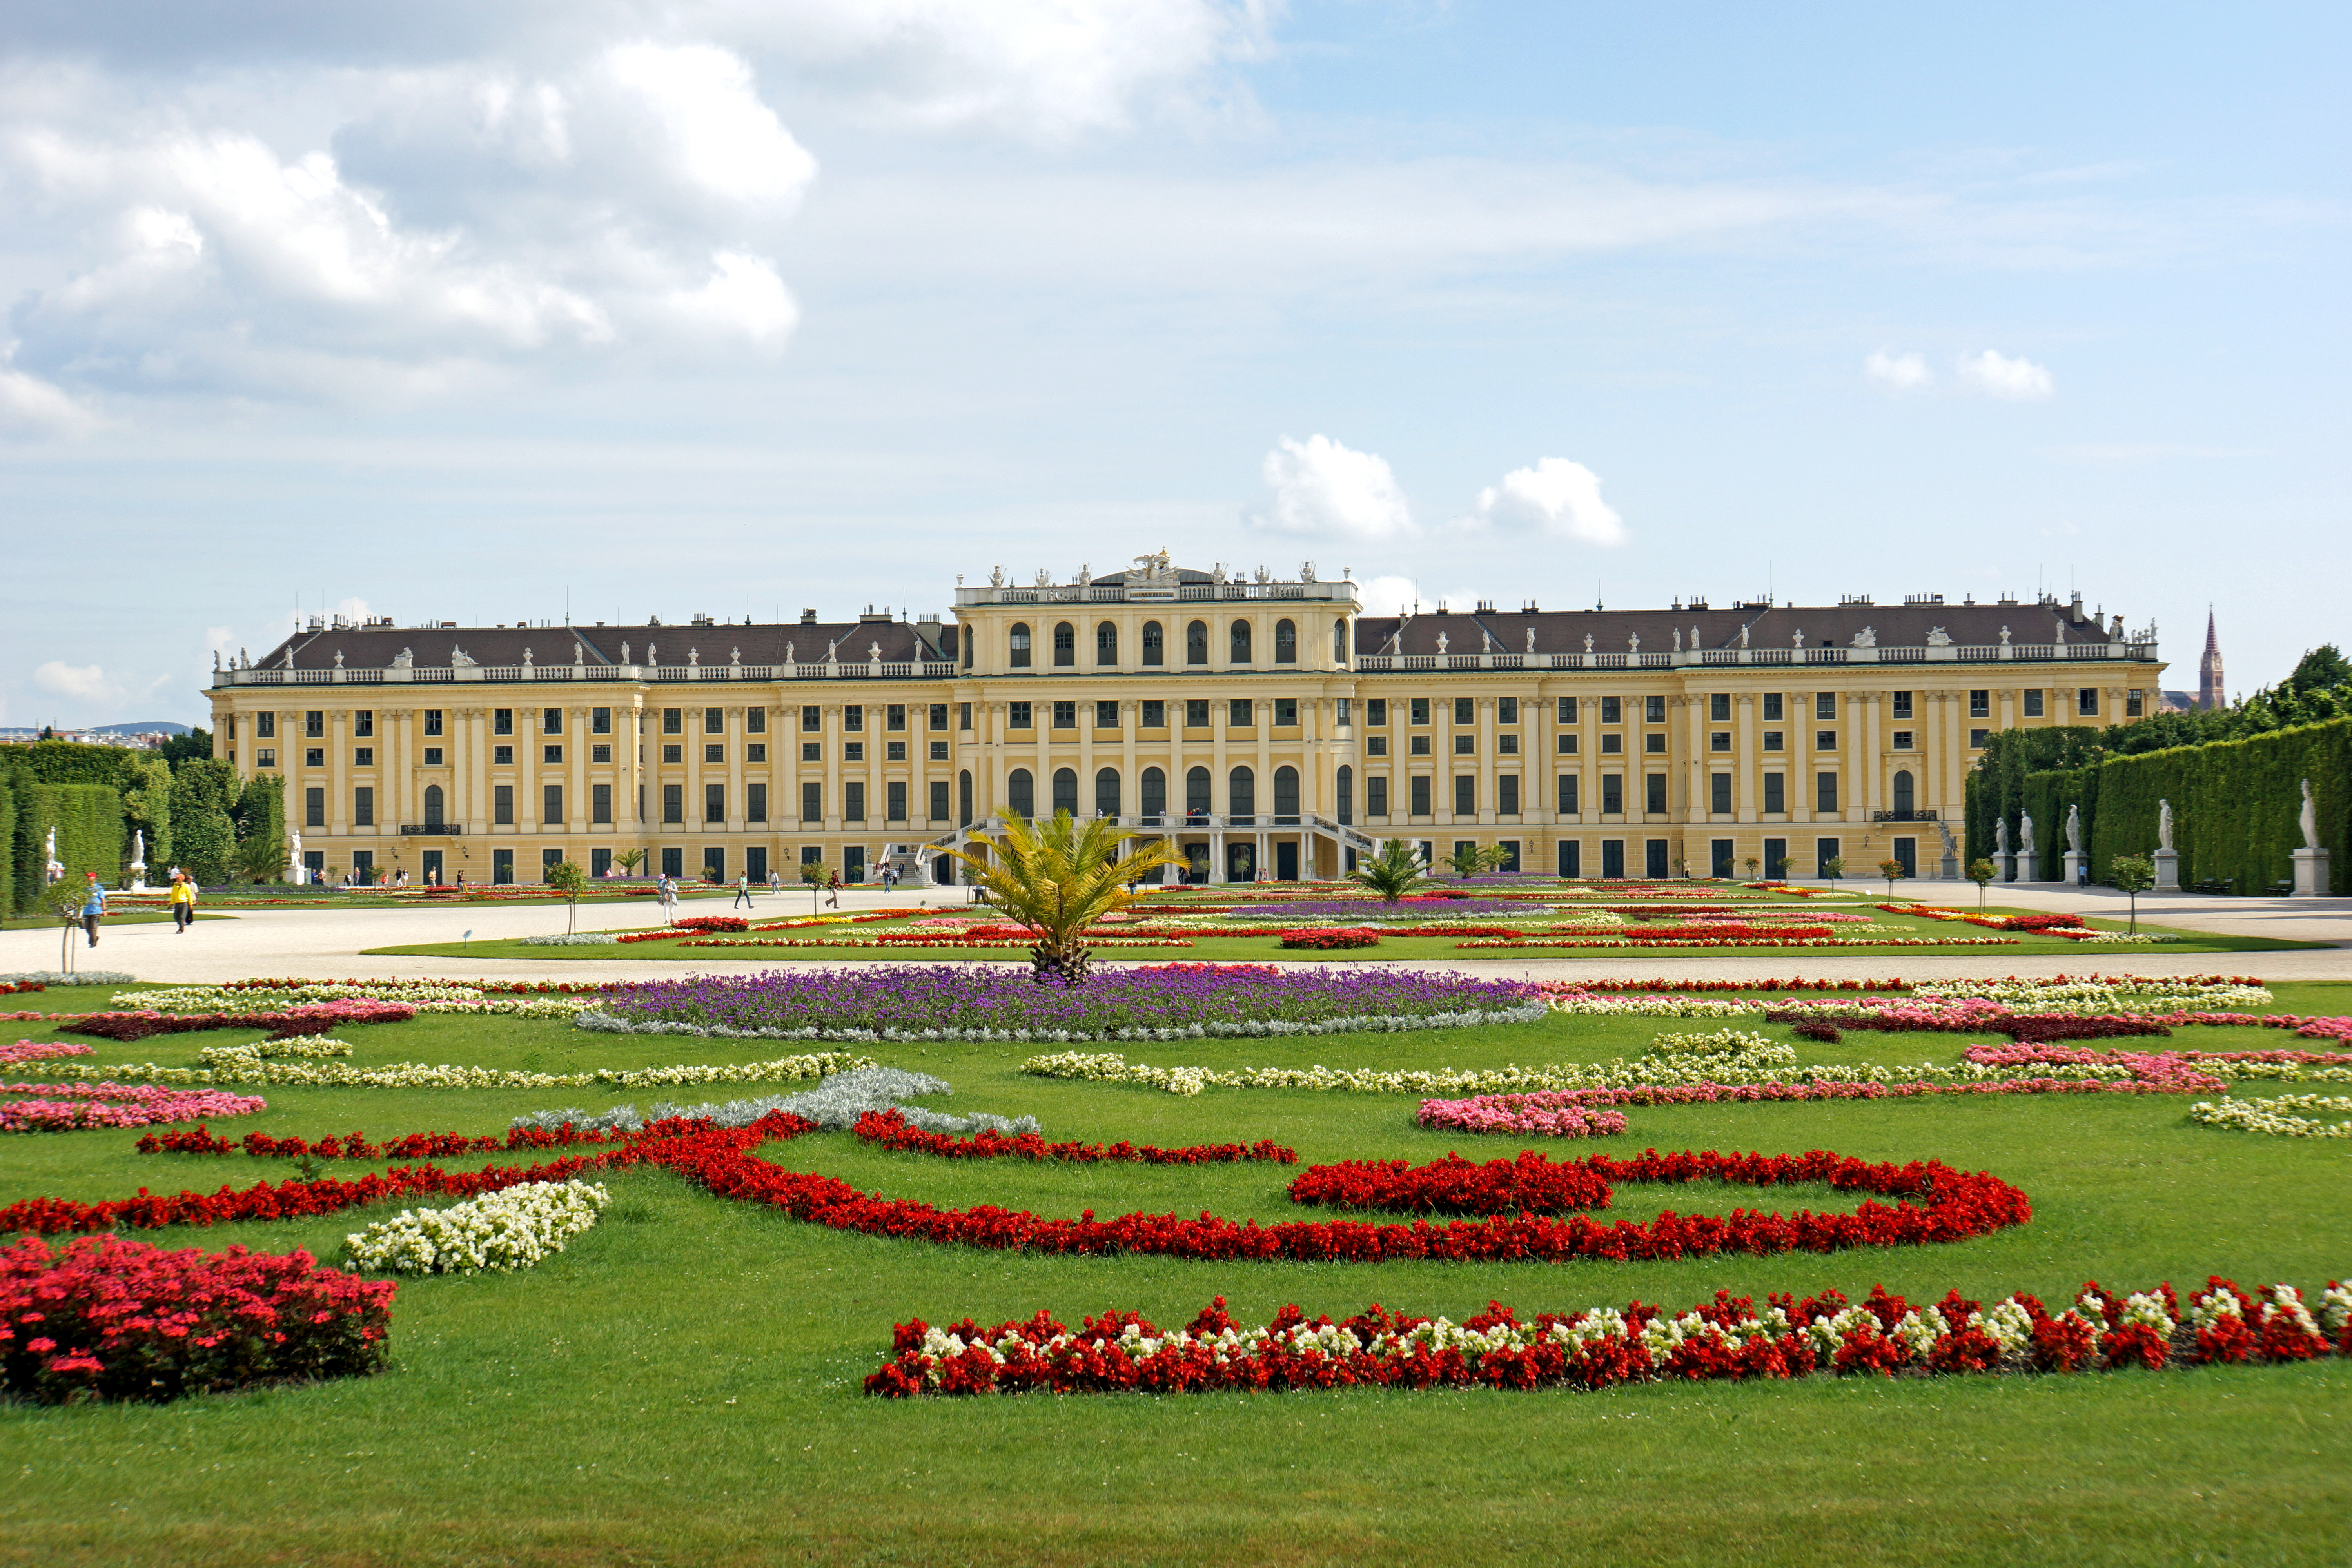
2077, 612
808, 617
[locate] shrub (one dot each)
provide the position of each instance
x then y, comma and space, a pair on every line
102, 1317
1817, 1029
713, 923
1329, 938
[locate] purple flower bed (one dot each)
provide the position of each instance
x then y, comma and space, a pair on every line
908, 999
1413, 906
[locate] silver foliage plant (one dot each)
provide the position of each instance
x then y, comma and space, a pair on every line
582, 939
835, 1104
597, 1021
79, 977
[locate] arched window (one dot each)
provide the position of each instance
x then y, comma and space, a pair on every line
1240, 642
963, 798
1340, 642
1065, 791
1286, 642
1020, 793
964, 640
1196, 793
1106, 792
1241, 792
1154, 651
433, 806
1196, 642
1107, 644
1019, 642
1065, 645
1286, 793
1155, 793
1903, 789
1344, 792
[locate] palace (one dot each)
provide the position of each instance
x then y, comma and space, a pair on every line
1267, 728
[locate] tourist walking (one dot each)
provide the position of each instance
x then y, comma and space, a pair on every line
93, 908
742, 891
668, 893
775, 881
184, 901
832, 891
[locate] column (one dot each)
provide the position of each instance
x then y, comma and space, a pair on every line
1872, 762
337, 778
472, 726
1488, 730
577, 827
1748, 805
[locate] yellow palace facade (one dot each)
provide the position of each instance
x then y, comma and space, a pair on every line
1266, 727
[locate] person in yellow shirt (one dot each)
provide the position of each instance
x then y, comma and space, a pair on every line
184, 901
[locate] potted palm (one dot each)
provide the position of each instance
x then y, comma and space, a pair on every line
1056, 878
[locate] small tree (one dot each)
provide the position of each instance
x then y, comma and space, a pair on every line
567, 878
1833, 868
260, 854
1392, 873
1467, 861
1752, 863
1058, 878
628, 860
1894, 871
813, 875
2132, 875
1980, 873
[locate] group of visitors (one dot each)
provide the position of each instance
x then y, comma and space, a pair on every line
183, 901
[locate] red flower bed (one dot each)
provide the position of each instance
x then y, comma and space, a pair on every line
1530, 1184
1723, 1339
723, 1160
312, 1018
1331, 939
103, 1318
2041, 922
2036, 1029
20, 987
355, 1146
889, 1129
497, 987
1610, 987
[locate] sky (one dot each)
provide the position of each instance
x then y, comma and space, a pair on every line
463, 311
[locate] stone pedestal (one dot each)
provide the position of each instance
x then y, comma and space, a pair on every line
2168, 872
2311, 880
2009, 868
2075, 861
1951, 869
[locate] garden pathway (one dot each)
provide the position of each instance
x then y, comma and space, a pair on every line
326, 944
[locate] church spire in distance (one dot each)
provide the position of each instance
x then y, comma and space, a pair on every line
2210, 693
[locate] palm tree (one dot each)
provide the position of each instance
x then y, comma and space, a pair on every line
1056, 878
1392, 873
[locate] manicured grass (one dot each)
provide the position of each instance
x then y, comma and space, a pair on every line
682, 1386
124, 918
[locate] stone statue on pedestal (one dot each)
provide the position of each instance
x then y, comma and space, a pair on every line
2164, 824
2308, 819
2075, 829
2001, 838
2025, 835
51, 865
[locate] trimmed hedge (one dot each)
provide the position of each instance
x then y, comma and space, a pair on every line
91, 833
2235, 806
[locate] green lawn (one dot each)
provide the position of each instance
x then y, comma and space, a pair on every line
1447, 948
682, 1386
113, 918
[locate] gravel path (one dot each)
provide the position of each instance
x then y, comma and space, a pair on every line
326, 944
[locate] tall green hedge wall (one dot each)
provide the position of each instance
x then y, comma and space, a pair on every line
2236, 806
90, 835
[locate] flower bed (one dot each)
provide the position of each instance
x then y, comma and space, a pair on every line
355, 1146
40, 1050
891, 1130
518, 1227
237, 1068
1671, 940
2284, 1116
919, 1003
41, 979
102, 1317
67, 1107
1727, 1338
1330, 938
1521, 1113
310, 1018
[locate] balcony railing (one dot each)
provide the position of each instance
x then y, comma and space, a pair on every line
431, 829
1926, 813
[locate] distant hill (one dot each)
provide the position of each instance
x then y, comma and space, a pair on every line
149, 727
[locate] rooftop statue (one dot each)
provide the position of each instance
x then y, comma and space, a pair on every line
1867, 638
1939, 638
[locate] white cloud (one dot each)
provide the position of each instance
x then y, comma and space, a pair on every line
31, 406
744, 296
1556, 497
84, 683
1323, 489
1390, 595
724, 138
1898, 372
1995, 375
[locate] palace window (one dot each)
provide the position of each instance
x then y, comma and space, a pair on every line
314, 722
1238, 715
1065, 645
1240, 642
1155, 645
853, 717
811, 718
1339, 644
1977, 738
1610, 746
853, 750
1107, 715
364, 806
1825, 792
2086, 702
1568, 746
894, 750
501, 721
550, 720
1902, 740
1419, 712
672, 754
1564, 710
1019, 643
1286, 642
939, 716
1466, 745
1568, 795
1286, 712
1376, 795
938, 750
1420, 798
714, 754
1656, 785
502, 804
1612, 711
1506, 711
1613, 795
1196, 713
1065, 791
1506, 795
1773, 708
1824, 704
1017, 716
1106, 646
1902, 705
363, 721
600, 722
894, 801
852, 802
1719, 799
316, 757
1196, 642
1508, 745
674, 720
1719, 741
550, 755
432, 722
432, 756
600, 805
1466, 711
1065, 715
894, 716
1106, 792
551, 806
1776, 793
502, 756
1376, 746
812, 810
1772, 740
314, 808
1020, 793
1419, 747
1979, 704
673, 803
1376, 712
364, 756
1718, 706
754, 752
1653, 710
1155, 715
2033, 703
1654, 742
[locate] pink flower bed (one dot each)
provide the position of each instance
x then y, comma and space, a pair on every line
1515, 1113
62, 1107
38, 1050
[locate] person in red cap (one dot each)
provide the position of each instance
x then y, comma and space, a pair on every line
93, 908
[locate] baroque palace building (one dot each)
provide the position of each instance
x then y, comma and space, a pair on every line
1268, 727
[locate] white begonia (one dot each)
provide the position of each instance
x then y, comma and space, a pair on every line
2207, 1308
418, 1075
2286, 1301
2006, 1324
2334, 1308
517, 1227
2147, 1308
2285, 1116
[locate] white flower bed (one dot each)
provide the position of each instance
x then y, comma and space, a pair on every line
424, 995
316, 1048
418, 1075
59, 977
835, 1104
605, 1023
519, 1227
578, 939
2287, 1116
